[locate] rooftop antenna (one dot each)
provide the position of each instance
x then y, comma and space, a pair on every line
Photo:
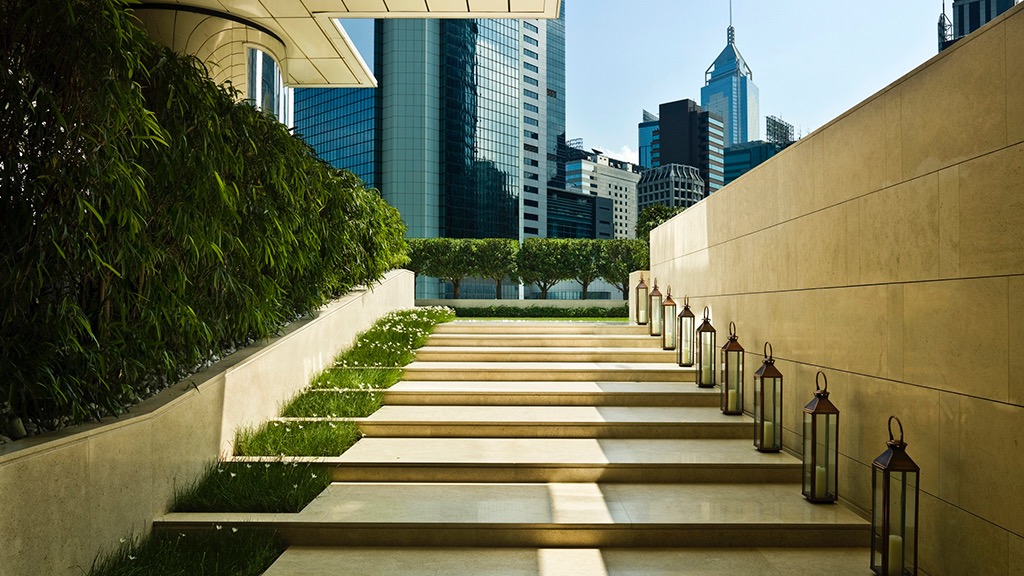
731, 33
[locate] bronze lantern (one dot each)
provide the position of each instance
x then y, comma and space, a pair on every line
706, 352
642, 310
685, 336
895, 487
768, 404
654, 305
732, 374
821, 445
668, 322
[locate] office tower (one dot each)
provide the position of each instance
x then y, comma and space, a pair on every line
730, 92
674, 185
968, 16
687, 134
462, 134
647, 132
605, 177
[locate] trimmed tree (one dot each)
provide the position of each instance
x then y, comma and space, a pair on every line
449, 260
541, 262
582, 258
621, 256
495, 259
651, 217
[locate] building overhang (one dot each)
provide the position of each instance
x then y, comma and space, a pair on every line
304, 36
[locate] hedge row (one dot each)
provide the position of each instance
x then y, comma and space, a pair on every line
151, 221
543, 312
541, 261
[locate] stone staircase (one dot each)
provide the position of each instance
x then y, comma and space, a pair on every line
548, 448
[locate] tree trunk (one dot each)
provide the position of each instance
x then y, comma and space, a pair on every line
455, 289
497, 289
585, 286
543, 292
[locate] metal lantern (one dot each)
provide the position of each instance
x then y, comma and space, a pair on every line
768, 404
894, 487
706, 352
685, 336
821, 445
732, 374
642, 310
668, 322
654, 305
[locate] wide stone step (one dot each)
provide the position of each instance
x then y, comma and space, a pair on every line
512, 393
553, 514
543, 354
550, 371
559, 460
538, 327
441, 561
554, 422
555, 340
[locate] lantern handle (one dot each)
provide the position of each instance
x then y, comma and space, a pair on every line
707, 312
768, 351
819, 388
900, 424
732, 329
686, 300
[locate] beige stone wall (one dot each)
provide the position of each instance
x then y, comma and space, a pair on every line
64, 497
887, 249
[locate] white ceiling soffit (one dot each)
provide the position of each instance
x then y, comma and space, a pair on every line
318, 51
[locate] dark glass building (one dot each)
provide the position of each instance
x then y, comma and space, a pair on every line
578, 215
741, 158
690, 135
464, 131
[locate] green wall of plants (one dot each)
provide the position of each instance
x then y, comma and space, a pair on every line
150, 220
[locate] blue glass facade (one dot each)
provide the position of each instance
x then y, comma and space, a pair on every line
341, 124
730, 93
647, 132
556, 143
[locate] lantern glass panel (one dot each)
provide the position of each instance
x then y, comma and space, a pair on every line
707, 359
767, 414
686, 330
668, 338
642, 302
656, 315
732, 379
894, 532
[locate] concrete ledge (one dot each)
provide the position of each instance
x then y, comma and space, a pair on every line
66, 496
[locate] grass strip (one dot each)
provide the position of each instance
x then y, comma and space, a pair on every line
284, 487
333, 404
297, 439
224, 552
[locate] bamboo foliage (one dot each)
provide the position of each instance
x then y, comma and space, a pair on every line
150, 221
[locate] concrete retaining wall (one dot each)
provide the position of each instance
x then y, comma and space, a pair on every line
887, 248
66, 496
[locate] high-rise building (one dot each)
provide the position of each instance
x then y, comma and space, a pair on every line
968, 16
687, 134
572, 214
674, 185
463, 133
730, 92
647, 132
600, 175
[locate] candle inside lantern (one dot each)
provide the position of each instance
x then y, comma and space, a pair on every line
895, 555
705, 374
820, 481
768, 435
732, 400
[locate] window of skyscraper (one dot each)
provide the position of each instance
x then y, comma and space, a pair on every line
530, 53
530, 27
531, 80
531, 94
530, 67
530, 107
531, 40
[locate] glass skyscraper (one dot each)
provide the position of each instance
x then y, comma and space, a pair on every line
463, 133
730, 93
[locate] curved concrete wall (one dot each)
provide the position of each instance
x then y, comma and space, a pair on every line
65, 497
887, 248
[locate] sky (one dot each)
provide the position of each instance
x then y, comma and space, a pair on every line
811, 59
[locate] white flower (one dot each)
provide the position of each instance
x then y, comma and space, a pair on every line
217, 526
130, 557
233, 474
233, 529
